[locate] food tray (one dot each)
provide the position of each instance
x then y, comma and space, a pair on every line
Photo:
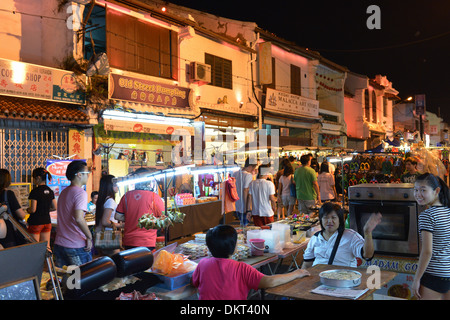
341, 278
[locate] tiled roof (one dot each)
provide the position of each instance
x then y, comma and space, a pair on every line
41, 110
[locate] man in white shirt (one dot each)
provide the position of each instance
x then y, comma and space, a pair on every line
243, 179
262, 197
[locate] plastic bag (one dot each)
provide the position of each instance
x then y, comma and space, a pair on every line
172, 264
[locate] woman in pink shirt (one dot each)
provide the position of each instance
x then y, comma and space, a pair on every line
221, 278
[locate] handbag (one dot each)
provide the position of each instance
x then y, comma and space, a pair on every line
108, 239
293, 189
19, 238
230, 186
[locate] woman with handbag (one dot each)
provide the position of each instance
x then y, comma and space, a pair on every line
336, 245
13, 237
106, 226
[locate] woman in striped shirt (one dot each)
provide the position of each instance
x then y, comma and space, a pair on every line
432, 278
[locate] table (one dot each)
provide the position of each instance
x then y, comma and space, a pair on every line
292, 252
300, 288
189, 292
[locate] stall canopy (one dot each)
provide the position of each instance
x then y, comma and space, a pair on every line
380, 148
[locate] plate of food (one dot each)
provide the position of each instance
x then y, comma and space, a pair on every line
341, 278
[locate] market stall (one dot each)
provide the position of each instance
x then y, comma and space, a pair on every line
192, 190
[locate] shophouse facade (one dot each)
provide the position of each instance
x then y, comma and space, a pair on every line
40, 103
369, 110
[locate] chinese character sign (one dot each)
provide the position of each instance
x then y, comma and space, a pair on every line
76, 143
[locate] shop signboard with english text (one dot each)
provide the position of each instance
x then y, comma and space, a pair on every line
291, 104
25, 80
144, 91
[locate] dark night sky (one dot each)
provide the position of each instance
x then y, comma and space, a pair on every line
412, 48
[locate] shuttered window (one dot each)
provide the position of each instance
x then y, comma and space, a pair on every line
374, 107
366, 105
141, 47
221, 71
296, 80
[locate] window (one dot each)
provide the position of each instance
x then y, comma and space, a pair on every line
296, 80
142, 47
95, 35
366, 105
221, 71
374, 107
328, 117
273, 84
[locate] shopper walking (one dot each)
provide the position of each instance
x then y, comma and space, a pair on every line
262, 198
326, 184
42, 201
307, 188
106, 208
243, 179
285, 199
432, 277
73, 242
133, 205
13, 208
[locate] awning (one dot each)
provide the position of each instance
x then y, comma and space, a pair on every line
41, 110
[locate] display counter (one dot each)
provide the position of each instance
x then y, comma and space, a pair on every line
199, 217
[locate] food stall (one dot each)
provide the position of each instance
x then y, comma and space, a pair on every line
192, 190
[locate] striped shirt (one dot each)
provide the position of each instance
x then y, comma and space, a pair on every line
437, 221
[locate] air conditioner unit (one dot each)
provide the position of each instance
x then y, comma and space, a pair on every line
200, 72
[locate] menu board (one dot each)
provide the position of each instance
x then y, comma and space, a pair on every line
57, 169
22, 192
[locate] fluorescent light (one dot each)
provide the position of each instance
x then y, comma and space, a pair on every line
339, 159
188, 169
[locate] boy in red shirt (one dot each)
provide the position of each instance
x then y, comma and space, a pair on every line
221, 278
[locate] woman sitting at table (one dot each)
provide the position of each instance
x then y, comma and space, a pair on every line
221, 278
322, 247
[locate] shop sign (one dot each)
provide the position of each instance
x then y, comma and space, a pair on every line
329, 140
104, 136
57, 168
143, 127
247, 109
292, 104
76, 142
396, 264
137, 90
19, 79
